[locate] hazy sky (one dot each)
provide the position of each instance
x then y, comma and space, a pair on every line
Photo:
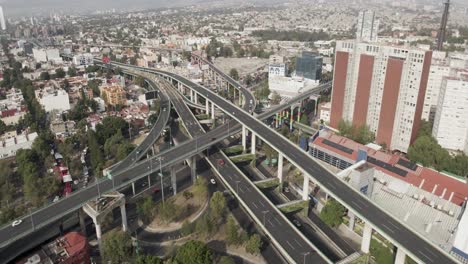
31, 7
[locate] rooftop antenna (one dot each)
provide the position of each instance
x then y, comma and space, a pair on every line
443, 26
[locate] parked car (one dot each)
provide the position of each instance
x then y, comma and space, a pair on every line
221, 162
213, 181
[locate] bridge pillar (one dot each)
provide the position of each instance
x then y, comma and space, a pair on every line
174, 179
276, 120
280, 167
207, 106
195, 98
240, 98
366, 238
81, 216
123, 213
191, 95
352, 220
252, 149
193, 168
212, 111
400, 256
291, 118
305, 188
98, 234
244, 138
133, 188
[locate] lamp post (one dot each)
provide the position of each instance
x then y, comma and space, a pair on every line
305, 255
32, 220
162, 183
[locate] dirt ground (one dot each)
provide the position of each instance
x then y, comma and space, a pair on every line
243, 65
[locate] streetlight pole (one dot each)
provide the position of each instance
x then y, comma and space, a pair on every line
32, 220
305, 254
98, 191
237, 187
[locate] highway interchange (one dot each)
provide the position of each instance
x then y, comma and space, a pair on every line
390, 227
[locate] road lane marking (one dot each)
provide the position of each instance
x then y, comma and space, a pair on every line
395, 226
332, 186
357, 205
261, 203
297, 242
255, 205
277, 221
391, 230
430, 260
290, 245
269, 221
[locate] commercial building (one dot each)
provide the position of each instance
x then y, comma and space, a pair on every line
46, 55
451, 120
380, 86
53, 99
70, 248
10, 145
114, 95
277, 67
367, 26
309, 65
324, 112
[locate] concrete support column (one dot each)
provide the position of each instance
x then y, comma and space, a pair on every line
207, 106
240, 98
212, 111
195, 97
252, 149
244, 138
123, 213
280, 167
400, 256
133, 188
193, 168
291, 119
81, 216
98, 234
191, 95
174, 179
299, 113
352, 220
305, 188
366, 238
276, 120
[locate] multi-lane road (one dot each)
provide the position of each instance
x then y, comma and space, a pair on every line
397, 232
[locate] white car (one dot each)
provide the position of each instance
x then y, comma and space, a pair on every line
213, 181
16, 223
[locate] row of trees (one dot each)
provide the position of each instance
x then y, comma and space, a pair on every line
426, 151
361, 134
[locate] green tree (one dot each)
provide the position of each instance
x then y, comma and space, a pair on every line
45, 76
116, 247
187, 228
226, 260
152, 119
3, 127
234, 74
60, 73
200, 189
146, 209
254, 244
332, 213
148, 259
140, 81
217, 205
96, 156
275, 98
72, 72
304, 120
232, 234
168, 211
204, 226
193, 252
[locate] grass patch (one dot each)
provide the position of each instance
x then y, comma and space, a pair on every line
242, 158
295, 207
234, 150
267, 184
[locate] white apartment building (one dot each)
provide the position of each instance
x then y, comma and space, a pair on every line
451, 120
382, 86
367, 26
439, 70
45, 55
53, 99
2, 19
83, 59
9, 146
